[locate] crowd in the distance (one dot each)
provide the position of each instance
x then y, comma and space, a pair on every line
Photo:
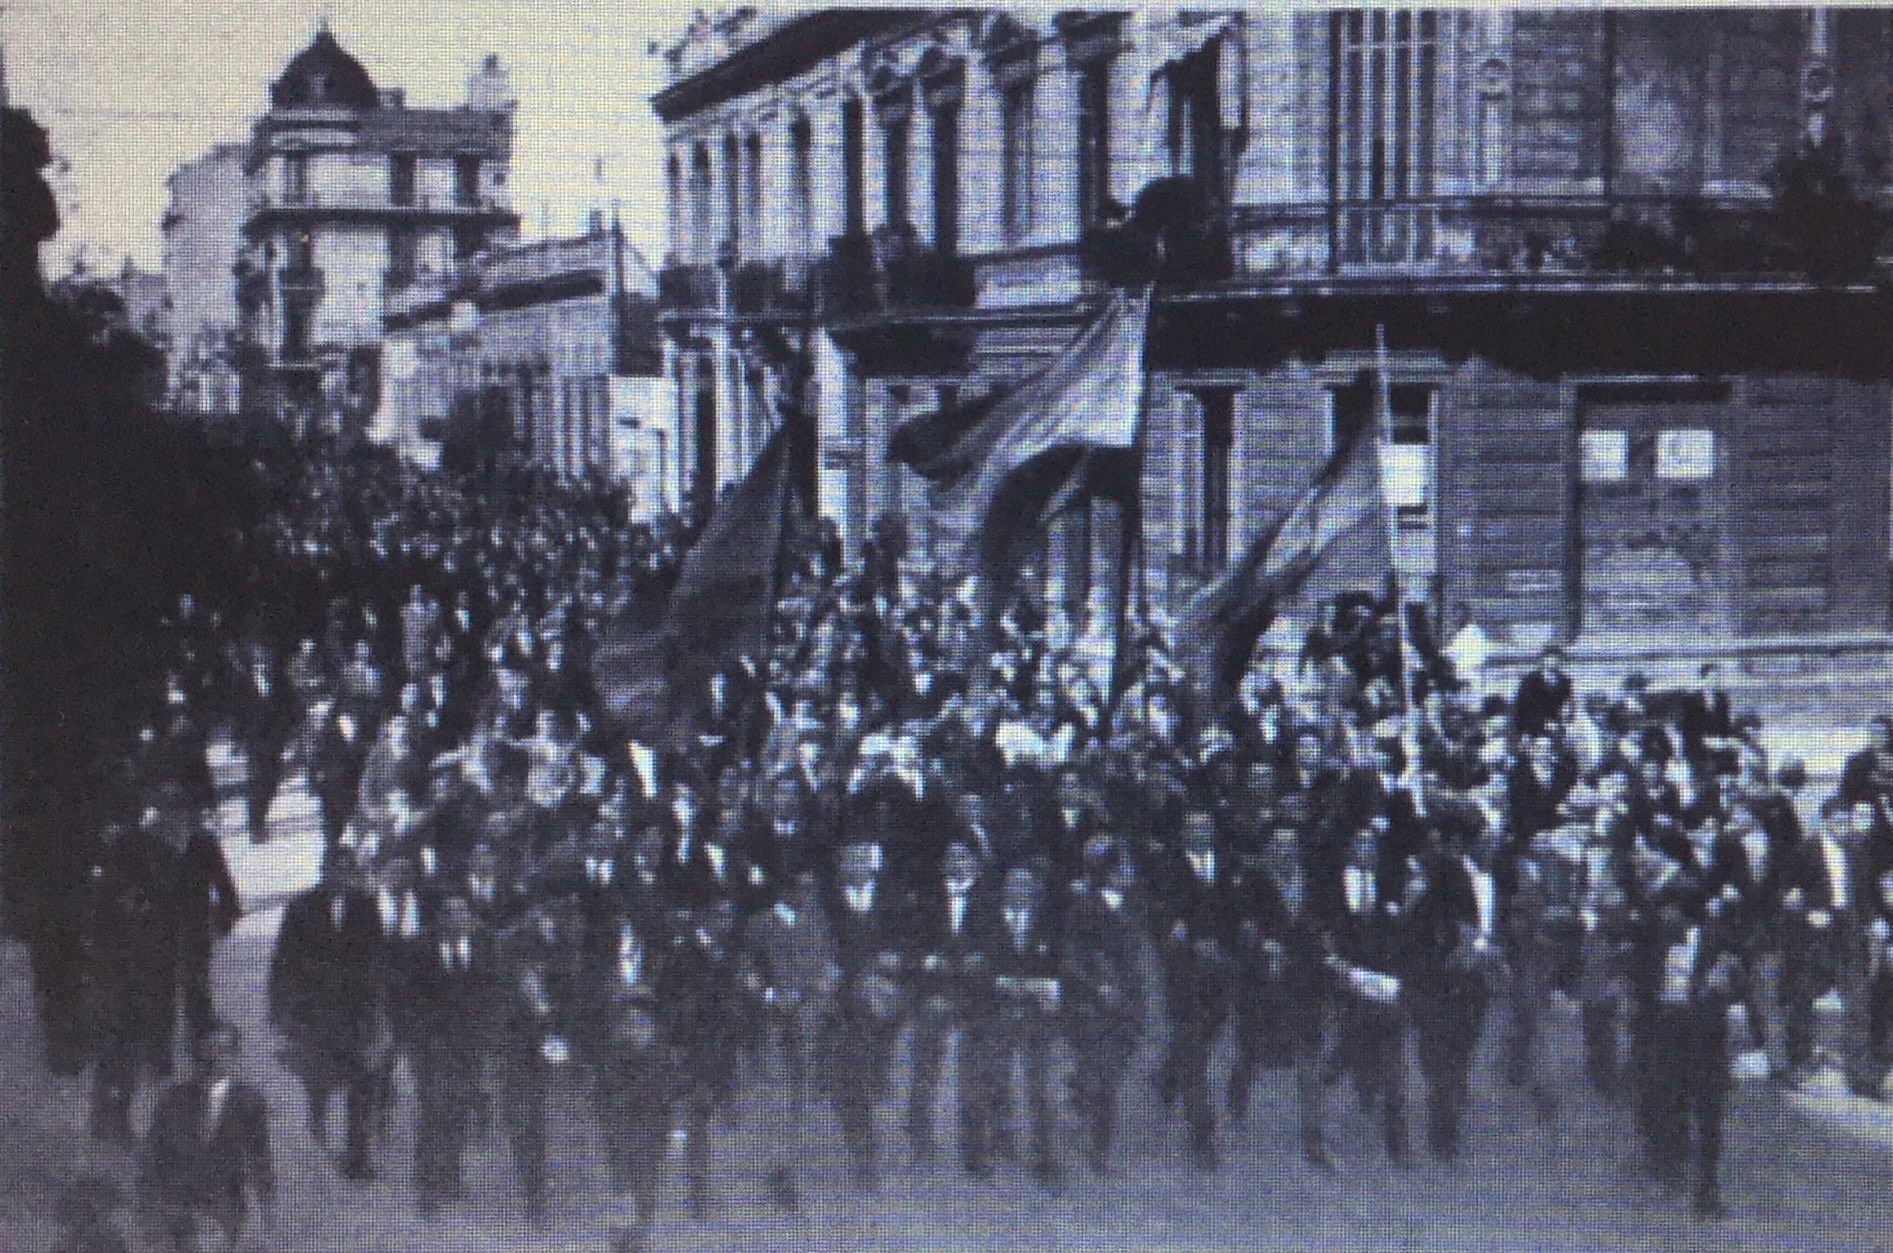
889, 826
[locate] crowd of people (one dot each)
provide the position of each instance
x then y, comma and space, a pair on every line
885, 826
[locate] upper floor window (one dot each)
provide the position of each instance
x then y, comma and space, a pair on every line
801, 181
853, 173
674, 202
942, 84
466, 179
403, 252
1197, 143
703, 243
296, 177
733, 190
896, 132
752, 187
1015, 160
1094, 140
300, 253
468, 241
1385, 69
401, 178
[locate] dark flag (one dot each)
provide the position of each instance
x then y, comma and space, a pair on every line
720, 605
1334, 539
1004, 465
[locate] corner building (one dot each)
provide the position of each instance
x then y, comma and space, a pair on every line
1633, 404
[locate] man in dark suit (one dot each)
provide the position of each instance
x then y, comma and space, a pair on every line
1022, 969
1363, 906
1819, 909
1291, 985
1543, 695
325, 994
268, 714
634, 1069
945, 977
132, 981
1707, 722
1104, 999
450, 984
1536, 788
1198, 947
869, 927
1451, 924
207, 1164
339, 758
196, 892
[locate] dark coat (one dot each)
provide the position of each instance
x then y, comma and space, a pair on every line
326, 984
185, 1168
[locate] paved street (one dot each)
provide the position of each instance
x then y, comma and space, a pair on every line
1804, 1170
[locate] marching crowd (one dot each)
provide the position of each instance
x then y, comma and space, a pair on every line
887, 825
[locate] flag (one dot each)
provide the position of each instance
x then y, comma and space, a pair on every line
1334, 539
1004, 465
721, 602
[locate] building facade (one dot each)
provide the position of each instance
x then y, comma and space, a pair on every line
353, 195
557, 338
1625, 263
202, 233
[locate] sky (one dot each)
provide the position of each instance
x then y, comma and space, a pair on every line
130, 89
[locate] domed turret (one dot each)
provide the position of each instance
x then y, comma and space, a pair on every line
324, 75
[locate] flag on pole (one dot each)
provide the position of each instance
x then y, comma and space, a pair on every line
1003, 466
720, 605
1336, 538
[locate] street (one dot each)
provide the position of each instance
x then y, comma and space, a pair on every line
1802, 1170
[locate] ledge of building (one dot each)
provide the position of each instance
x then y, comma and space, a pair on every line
1752, 654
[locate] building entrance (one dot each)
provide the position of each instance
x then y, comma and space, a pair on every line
1653, 504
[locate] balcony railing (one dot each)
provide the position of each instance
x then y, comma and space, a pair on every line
1471, 235
323, 201
863, 276
687, 288
299, 277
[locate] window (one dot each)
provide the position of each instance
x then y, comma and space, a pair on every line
1196, 128
946, 178
1407, 456
1219, 428
401, 178
674, 200
1606, 456
296, 178
1015, 161
1094, 141
854, 195
1381, 131
801, 175
896, 130
466, 179
1683, 453
752, 188
403, 246
299, 252
468, 241
295, 330
703, 233
732, 192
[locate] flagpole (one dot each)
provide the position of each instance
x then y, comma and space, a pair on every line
1383, 421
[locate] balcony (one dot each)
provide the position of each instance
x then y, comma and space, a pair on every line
1499, 237
765, 289
865, 277
687, 289
300, 277
376, 206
